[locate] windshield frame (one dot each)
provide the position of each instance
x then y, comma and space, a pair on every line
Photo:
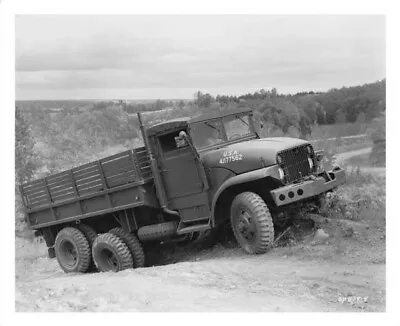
222, 120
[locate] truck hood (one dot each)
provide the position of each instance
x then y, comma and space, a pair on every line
249, 155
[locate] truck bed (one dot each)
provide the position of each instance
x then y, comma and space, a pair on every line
96, 187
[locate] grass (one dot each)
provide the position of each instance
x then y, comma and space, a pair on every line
354, 217
362, 198
341, 148
338, 130
359, 161
29, 251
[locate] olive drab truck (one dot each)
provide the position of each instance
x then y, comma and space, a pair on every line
191, 175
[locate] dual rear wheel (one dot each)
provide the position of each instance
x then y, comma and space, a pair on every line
110, 253
79, 249
72, 250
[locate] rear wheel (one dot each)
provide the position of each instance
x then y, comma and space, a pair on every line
90, 235
133, 244
72, 250
110, 253
252, 223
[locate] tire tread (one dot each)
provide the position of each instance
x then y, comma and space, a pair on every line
263, 217
90, 235
133, 244
120, 247
82, 245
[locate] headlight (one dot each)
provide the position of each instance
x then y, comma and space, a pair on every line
319, 155
310, 162
281, 174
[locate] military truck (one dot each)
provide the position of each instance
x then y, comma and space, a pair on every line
191, 175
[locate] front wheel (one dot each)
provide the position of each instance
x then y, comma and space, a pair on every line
252, 223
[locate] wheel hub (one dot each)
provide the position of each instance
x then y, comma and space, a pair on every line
69, 255
110, 260
246, 225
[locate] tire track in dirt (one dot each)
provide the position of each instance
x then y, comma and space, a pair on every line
214, 280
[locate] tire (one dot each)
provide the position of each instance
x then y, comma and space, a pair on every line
252, 223
90, 235
72, 250
157, 231
133, 244
110, 253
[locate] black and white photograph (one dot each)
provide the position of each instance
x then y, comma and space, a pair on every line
200, 163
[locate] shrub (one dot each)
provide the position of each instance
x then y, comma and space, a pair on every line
362, 198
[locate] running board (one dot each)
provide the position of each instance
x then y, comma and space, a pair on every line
182, 229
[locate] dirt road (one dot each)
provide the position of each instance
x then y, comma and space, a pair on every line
216, 279
341, 158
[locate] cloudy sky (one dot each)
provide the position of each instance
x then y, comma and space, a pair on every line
149, 57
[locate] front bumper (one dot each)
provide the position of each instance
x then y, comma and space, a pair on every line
309, 188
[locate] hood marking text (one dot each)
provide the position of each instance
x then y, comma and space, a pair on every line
230, 156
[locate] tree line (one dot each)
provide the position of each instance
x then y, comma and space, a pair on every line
302, 110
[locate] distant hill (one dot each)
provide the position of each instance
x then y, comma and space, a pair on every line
53, 104
347, 104
70, 104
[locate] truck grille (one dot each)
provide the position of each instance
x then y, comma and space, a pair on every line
294, 162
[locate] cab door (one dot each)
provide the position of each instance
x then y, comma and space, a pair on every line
183, 177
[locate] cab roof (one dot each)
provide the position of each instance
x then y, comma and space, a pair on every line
219, 114
164, 126
184, 121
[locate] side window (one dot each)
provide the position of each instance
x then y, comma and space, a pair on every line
172, 142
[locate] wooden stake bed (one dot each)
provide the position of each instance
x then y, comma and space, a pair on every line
108, 185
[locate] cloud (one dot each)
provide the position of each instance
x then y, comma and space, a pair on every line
68, 54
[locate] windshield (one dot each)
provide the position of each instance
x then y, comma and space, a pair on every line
237, 127
211, 132
207, 133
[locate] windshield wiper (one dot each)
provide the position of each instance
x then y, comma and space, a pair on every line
211, 126
243, 121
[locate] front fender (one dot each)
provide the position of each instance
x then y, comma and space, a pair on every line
271, 171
